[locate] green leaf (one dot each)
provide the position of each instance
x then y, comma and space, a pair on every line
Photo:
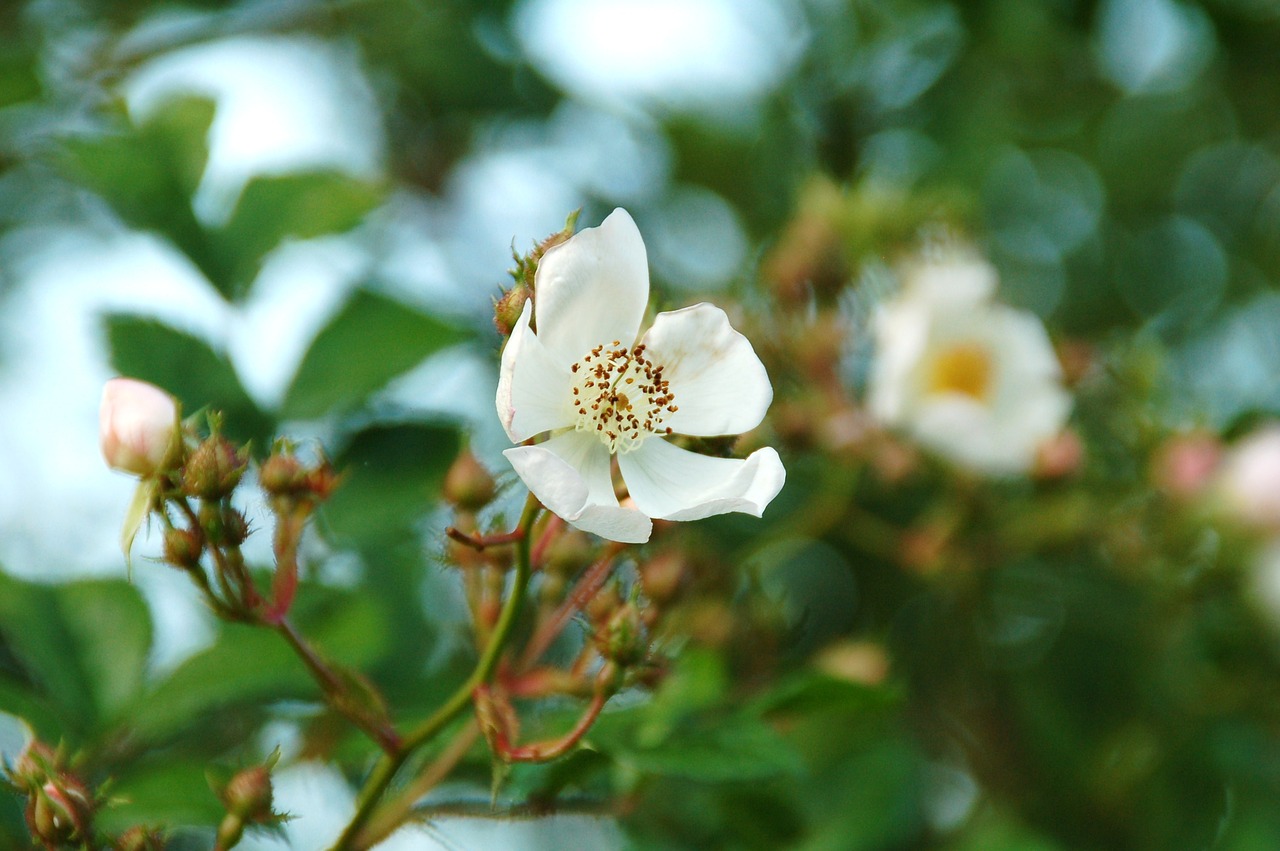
189, 369
392, 476
148, 172
371, 341
248, 666
721, 751
163, 791
111, 628
298, 206
82, 651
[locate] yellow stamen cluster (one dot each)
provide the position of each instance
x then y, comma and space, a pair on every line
621, 396
965, 368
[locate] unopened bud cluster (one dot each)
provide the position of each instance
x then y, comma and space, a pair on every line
507, 308
60, 807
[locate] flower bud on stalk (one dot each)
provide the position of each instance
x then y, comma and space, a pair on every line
214, 469
506, 310
468, 485
138, 427
140, 839
248, 798
183, 547
60, 812
622, 639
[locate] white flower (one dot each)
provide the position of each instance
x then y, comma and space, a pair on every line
137, 426
973, 380
1250, 478
585, 380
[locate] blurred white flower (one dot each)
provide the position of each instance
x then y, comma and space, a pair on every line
973, 380
137, 426
1249, 479
1265, 581
583, 380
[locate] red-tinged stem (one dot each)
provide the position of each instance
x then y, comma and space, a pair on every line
482, 542
334, 686
550, 749
592, 579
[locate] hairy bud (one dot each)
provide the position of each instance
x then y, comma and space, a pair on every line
468, 485
622, 639
60, 812
140, 839
507, 310
248, 795
214, 468
183, 547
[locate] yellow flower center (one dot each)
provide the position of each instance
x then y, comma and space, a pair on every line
965, 368
621, 396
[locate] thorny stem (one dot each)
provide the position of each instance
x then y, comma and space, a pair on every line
390, 763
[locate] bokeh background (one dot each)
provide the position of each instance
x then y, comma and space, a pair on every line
300, 212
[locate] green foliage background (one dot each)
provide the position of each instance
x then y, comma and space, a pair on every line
1086, 670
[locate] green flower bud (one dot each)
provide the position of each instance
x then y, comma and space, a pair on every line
183, 547
214, 468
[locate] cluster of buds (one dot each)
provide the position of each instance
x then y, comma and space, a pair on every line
248, 799
60, 806
507, 307
188, 481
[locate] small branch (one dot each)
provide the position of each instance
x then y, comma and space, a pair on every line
398, 810
480, 543
335, 687
554, 525
592, 579
385, 770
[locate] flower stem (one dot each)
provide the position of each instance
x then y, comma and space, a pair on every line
387, 767
397, 811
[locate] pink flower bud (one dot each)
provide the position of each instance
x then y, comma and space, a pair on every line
137, 423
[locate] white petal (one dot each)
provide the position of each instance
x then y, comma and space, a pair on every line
719, 384
592, 289
533, 389
674, 484
569, 474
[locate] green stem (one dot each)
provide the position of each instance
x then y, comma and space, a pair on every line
386, 768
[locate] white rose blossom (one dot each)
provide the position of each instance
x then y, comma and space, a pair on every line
973, 380
139, 430
599, 391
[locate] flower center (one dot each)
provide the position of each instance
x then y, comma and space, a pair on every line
621, 396
964, 368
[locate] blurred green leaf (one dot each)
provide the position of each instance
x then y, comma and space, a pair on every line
717, 751
251, 665
371, 341
161, 791
56, 634
189, 369
392, 477
147, 172
116, 667
298, 206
